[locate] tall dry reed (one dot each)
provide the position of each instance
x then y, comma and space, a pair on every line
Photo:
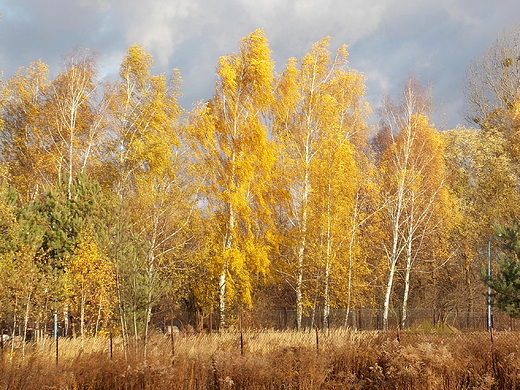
270, 360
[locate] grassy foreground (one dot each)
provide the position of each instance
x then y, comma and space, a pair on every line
271, 360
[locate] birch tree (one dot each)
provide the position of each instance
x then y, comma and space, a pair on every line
72, 117
230, 136
480, 166
144, 165
24, 143
89, 284
52, 128
318, 116
415, 191
493, 78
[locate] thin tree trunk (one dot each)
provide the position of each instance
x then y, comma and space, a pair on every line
26, 323
414, 223
146, 327
136, 337
134, 307
315, 304
15, 323
122, 311
328, 259
301, 252
350, 272
149, 299
299, 285
394, 257
222, 297
66, 322
406, 285
150, 270
121, 299
388, 292
326, 298
228, 244
395, 252
356, 225
98, 318
82, 319
71, 154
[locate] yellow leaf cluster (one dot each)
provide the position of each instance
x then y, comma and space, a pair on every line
90, 279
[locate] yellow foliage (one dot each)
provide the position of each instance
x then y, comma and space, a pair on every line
318, 122
144, 111
229, 134
90, 279
26, 142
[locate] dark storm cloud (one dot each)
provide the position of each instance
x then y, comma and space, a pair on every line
387, 39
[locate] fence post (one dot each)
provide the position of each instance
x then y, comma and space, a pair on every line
241, 335
317, 341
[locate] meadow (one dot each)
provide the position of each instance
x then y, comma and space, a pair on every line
339, 359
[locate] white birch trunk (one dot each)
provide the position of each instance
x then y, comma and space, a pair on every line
401, 163
228, 244
222, 298
328, 259
26, 322
301, 252
406, 293
353, 232
394, 255
150, 270
66, 322
82, 319
299, 282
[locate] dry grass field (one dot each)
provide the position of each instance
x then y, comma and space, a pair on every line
337, 359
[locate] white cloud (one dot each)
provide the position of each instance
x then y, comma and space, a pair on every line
159, 25
387, 38
98, 6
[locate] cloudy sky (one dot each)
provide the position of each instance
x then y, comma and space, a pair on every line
435, 40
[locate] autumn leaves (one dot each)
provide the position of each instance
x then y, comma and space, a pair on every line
292, 184
270, 191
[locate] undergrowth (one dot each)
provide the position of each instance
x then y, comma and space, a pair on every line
270, 360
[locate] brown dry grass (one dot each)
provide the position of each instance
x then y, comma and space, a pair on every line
272, 360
